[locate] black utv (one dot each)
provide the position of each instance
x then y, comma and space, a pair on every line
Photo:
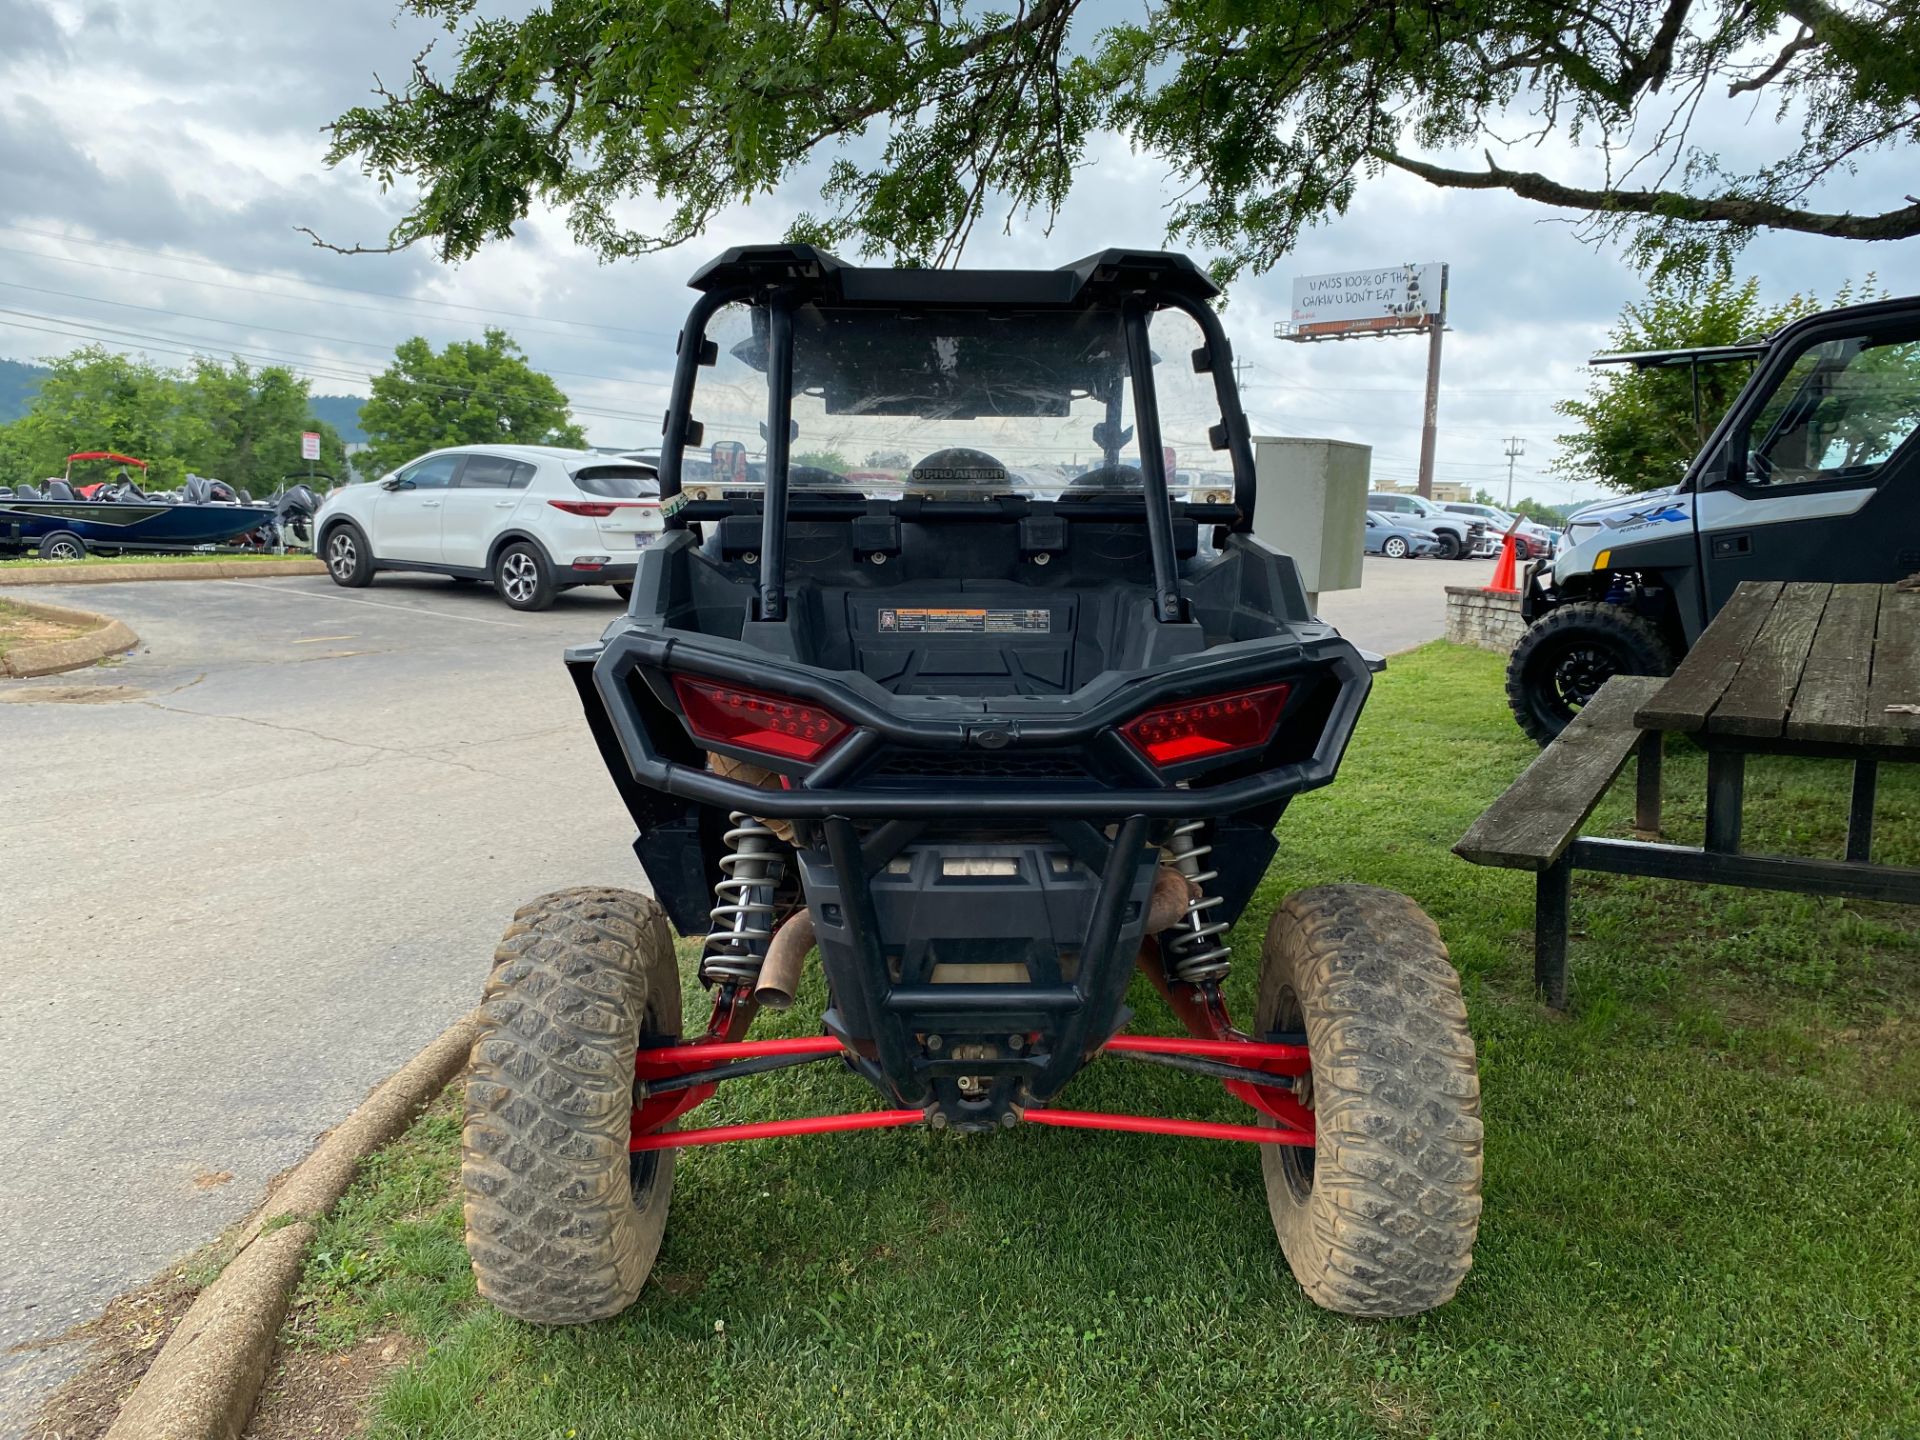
1813, 474
944, 684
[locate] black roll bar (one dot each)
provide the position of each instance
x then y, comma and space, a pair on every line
1167, 604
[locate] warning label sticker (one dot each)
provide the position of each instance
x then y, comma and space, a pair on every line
966, 622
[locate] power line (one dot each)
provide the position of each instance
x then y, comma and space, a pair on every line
280, 330
321, 284
313, 367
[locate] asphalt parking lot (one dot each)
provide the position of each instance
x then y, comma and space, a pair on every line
257, 864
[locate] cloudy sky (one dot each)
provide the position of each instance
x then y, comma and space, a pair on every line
157, 155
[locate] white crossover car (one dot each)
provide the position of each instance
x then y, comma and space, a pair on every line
532, 519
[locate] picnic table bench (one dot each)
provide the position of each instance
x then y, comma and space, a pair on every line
1830, 671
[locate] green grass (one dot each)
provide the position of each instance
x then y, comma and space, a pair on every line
34, 562
1703, 1190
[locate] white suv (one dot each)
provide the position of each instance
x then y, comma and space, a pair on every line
533, 519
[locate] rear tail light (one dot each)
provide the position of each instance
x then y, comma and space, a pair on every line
1210, 726
598, 509
770, 724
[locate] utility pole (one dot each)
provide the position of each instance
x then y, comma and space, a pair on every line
1436, 327
1516, 447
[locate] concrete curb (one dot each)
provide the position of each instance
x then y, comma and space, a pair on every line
158, 570
107, 637
206, 1378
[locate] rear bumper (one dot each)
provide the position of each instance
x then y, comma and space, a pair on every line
617, 572
630, 679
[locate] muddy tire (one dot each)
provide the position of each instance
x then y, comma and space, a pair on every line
1379, 1217
1569, 653
563, 1222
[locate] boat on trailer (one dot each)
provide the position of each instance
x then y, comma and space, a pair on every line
61, 523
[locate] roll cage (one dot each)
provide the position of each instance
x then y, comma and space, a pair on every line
784, 279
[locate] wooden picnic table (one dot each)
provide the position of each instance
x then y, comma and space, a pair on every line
1830, 671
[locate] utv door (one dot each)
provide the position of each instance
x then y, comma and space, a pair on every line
1820, 477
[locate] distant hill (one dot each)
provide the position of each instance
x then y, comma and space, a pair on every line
342, 412
19, 381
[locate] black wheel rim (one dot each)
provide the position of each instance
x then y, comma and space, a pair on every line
1296, 1161
643, 1166
1578, 673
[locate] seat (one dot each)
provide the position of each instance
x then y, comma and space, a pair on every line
60, 490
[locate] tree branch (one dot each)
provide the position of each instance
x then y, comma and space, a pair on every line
1803, 41
1732, 210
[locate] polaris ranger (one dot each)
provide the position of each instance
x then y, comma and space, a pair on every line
1813, 474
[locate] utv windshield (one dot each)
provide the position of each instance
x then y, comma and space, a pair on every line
957, 403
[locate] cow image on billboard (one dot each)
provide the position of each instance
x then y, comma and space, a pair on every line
1392, 297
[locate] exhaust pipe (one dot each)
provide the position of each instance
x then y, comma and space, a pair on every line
779, 978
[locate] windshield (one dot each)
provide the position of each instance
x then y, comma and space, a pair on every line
957, 403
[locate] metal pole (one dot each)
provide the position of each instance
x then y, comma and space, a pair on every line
1516, 447
1435, 329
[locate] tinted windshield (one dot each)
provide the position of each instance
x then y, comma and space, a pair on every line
962, 401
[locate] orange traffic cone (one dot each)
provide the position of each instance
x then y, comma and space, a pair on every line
1503, 578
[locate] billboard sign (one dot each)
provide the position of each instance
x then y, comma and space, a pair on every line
1390, 297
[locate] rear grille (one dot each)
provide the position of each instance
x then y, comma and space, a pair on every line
1001, 765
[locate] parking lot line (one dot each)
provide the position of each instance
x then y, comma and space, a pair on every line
378, 605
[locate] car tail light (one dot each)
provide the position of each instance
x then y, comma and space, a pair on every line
598, 509
771, 724
1209, 726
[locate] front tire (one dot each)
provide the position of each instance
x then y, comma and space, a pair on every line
1379, 1217
1450, 546
1569, 653
349, 557
523, 577
563, 1221
1394, 548
63, 545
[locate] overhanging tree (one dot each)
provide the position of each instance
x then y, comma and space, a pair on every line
1270, 111
471, 393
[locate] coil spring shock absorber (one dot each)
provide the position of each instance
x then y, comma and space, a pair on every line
1194, 953
741, 921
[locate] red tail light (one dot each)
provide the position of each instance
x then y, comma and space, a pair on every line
598, 509
771, 724
1210, 726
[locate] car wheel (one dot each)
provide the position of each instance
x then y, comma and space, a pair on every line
349, 557
624, 590
523, 577
1450, 546
1395, 548
1569, 653
63, 545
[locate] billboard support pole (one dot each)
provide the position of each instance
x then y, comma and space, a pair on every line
1431, 422
1429, 425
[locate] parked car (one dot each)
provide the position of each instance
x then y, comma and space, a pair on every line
532, 519
1532, 541
1461, 536
1387, 535
1813, 474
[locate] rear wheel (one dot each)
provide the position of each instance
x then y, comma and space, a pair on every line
1569, 653
63, 545
563, 1221
349, 558
1379, 1217
523, 577
624, 590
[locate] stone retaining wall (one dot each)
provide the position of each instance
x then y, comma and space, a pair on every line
1487, 619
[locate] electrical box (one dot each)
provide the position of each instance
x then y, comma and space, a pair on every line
1312, 505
